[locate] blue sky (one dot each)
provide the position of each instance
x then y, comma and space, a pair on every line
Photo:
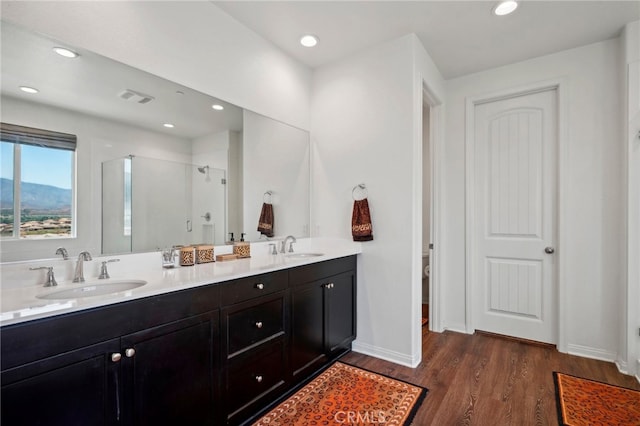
45, 166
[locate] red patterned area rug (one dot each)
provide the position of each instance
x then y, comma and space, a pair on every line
587, 402
344, 394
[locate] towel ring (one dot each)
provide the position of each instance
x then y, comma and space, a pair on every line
361, 190
266, 197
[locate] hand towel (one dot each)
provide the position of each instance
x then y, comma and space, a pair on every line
361, 221
265, 223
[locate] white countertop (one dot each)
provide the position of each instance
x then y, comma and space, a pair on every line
21, 287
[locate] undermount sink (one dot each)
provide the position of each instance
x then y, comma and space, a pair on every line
303, 255
94, 289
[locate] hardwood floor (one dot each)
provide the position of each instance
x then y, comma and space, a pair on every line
488, 380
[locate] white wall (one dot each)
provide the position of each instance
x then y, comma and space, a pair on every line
366, 128
630, 75
98, 140
593, 179
275, 158
193, 43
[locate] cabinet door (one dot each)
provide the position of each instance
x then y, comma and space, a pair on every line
341, 309
79, 387
307, 330
171, 373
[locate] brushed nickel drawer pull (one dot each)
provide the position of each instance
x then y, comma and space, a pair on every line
259, 379
259, 324
260, 286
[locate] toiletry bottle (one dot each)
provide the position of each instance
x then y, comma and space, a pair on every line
242, 248
231, 239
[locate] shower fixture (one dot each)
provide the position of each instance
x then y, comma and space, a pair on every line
203, 170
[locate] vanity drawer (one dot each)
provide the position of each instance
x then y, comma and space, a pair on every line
252, 322
252, 378
251, 287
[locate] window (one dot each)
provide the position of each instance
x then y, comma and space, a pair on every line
37, 184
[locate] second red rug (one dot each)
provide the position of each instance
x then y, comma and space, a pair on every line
346, 394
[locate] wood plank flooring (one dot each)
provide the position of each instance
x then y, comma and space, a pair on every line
488, 380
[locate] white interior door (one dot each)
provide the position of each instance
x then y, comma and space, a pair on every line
514, 289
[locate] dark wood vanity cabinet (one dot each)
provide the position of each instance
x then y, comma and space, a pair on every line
254, 342
323, 314
216, 354
168, 373
158, 364
75, 388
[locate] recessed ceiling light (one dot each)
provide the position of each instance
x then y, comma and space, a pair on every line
217, 107
28, 89
169, 125
308, 40
505, 7
65, 52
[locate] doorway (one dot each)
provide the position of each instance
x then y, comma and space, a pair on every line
513, 215
426, 210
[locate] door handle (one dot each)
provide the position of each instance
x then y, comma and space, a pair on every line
549, 250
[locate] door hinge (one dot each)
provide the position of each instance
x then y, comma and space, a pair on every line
223, 181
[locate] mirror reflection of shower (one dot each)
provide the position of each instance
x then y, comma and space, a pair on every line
205, 170
142, 195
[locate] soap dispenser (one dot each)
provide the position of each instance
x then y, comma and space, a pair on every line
231, 239
242, 248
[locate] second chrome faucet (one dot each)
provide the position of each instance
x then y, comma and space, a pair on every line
78, 276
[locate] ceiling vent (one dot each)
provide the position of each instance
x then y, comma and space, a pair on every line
133, 96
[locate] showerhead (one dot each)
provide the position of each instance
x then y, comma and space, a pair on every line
203, 169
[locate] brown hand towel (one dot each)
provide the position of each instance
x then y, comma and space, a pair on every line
265, 223
361, 221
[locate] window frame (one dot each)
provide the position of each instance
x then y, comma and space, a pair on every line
21, 135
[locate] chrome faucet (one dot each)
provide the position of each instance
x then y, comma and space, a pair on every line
51, 280
284, 244
104, 274
79, 275
63, 251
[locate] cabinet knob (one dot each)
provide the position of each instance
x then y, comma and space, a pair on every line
259, 379
549, 250
130, 352
259, 324
260, 286
329, 285
116, 357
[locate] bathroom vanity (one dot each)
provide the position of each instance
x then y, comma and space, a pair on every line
216, 353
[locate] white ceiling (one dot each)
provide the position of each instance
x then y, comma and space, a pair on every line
91, 83
462, 37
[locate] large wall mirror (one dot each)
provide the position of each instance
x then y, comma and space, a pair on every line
156, 163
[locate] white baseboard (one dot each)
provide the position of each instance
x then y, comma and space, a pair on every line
638, 370
622, 366
386, 354
589, 352
457, 328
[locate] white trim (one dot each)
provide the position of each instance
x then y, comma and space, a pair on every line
560, 85
457, 328
589, 352
385, 354
622, 367
436, 140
